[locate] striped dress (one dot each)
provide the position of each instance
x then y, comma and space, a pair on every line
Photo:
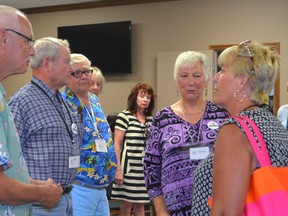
132, 153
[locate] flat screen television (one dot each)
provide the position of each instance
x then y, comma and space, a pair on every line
107, 45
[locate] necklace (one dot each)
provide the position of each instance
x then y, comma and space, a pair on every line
188, 131
194, 113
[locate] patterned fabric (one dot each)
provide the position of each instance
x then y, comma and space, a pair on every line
133, 188
44, 137
276, 139
96, 168
282, 115
11, 158
167, 164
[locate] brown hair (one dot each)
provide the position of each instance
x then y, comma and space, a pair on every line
132, 98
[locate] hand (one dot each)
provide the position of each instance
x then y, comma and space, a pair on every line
119, 177
53, 195
36, 182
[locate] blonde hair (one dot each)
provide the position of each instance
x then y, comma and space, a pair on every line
98, 74
250, 56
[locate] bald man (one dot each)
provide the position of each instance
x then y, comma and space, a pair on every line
17, 190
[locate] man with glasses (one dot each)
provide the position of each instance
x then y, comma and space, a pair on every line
50, 130
98, 159
17, 189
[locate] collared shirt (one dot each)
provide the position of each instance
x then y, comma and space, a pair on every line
11, 158
96, 168
45, 135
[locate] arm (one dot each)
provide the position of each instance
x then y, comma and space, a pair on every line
13, 192
234, 161
153, 168
160, 206
118, 140
16, 192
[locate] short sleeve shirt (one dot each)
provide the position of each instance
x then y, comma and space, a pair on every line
11, 158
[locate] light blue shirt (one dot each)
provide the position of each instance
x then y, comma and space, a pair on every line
11, 158
282, 115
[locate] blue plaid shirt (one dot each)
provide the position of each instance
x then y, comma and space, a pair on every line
44, 138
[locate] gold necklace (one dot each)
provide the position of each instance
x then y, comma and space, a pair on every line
187, 125
200, 111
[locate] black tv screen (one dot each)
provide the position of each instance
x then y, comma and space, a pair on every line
107, 45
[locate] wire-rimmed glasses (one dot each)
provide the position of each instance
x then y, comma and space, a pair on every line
29, 40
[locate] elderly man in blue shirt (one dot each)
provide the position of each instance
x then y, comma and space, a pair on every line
50, 130
97, 159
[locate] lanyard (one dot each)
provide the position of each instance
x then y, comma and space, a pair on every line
92, 118
61, 115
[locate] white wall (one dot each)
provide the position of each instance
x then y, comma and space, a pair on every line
173, 26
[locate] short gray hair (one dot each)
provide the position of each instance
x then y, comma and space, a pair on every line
189, 58
49, 47
78, 58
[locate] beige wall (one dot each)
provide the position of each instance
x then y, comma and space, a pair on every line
172, 26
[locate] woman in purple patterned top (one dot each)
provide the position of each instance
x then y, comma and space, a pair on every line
181, 135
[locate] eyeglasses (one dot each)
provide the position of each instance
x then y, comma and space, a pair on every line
79, 73
245, 44
29, 40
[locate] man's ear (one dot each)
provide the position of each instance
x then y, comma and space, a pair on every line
45, 62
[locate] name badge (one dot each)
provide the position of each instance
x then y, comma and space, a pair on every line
199, 153
213, 125
74, 128
100, 145
74, 161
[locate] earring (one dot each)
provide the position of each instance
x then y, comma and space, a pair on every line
242, 96
177, 92
206, 92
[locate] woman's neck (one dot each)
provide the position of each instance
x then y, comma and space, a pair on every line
191, 108
140, 116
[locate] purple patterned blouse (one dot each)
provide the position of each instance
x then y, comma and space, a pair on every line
169, 162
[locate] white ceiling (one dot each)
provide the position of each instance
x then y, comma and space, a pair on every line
21, 4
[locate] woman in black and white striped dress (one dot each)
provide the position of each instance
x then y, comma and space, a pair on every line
131, 129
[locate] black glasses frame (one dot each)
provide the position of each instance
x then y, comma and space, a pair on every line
79, 73
26, 38
245, 44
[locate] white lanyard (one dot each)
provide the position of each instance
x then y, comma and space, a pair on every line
92, 118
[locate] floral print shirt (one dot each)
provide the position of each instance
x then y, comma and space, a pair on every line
11, 158
97, 168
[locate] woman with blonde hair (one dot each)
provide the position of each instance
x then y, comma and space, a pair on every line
248, 71
98, 81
